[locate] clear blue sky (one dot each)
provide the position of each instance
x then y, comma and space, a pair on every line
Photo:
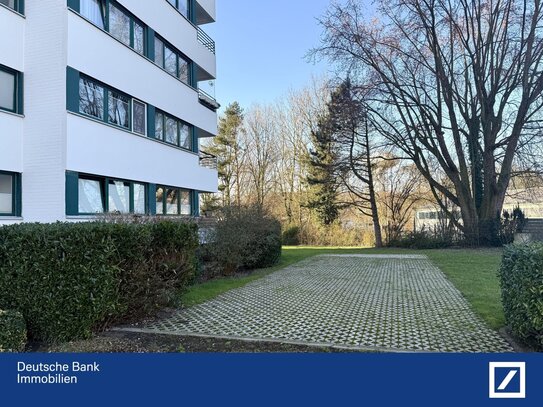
261, 45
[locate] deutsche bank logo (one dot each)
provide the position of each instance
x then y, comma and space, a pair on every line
507, 380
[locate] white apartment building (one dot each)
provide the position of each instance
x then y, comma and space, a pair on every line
100, 109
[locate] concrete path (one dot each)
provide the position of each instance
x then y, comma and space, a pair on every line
383, 303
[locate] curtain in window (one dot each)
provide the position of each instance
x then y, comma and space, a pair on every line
92, 9
6, 193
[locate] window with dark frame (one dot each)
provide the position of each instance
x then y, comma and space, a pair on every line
113, 18
99, 195
173, 201
8, 89
173, 131
172, 61
7, 194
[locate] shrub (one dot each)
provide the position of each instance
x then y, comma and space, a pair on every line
291, 236
71, 279
422, 239
12, 331
521, 278
244, 238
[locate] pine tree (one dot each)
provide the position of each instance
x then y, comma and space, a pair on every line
227, 148
322, 177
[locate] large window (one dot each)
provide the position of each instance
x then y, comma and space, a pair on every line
111, 106
172, 61
110, 16
94, 11
173, 201
9, 89
6, 194
100, 195
173, 131
182, 5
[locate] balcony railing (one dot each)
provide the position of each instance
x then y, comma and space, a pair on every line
208, 101
208, 160
205, 40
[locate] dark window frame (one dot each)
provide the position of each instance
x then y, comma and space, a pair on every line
178, 55
104, 187
105, 10
18, 6
105, 112
180, 123
15, 194
164, 203
16, 89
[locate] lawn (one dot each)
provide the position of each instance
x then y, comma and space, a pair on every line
472, 271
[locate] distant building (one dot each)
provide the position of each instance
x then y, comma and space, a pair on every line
101, 108
530, 201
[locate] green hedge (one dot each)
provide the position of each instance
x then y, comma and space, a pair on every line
521, 276
12, 331
70, 279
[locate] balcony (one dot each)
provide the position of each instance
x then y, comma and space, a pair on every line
205, 40
208, 161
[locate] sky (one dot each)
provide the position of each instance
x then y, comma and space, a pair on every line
261, 48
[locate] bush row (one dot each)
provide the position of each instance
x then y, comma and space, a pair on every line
521, 278
71, 279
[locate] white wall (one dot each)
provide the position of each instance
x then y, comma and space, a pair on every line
45, 111
172, 26
11, 142
12, 39
95, 53
99, 149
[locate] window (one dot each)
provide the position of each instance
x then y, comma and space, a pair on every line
172, 61
6, 194
120, 24
173, 201
91, 98
119, 196
139, 38
91, 195
119, 109
94, 11
159, 53
182, 6
8, 89
112, 106
139, 114
100, 195
159, 126
184, 70
173, 131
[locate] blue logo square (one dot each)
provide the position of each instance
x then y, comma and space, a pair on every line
503, 378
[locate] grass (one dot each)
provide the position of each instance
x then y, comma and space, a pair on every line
472, 271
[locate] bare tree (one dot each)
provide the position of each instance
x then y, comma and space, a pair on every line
457, 83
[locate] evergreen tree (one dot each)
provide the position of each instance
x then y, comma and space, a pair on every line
227, 148
322, 173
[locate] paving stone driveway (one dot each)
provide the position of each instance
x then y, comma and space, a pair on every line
368, 302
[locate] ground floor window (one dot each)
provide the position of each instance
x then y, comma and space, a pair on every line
173, 201
106, 195
88, 194
9, 193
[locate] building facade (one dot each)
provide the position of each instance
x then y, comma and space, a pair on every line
100, 108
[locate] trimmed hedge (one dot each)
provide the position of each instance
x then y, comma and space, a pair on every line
521, 276
12, 331
245, 238
70, 279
